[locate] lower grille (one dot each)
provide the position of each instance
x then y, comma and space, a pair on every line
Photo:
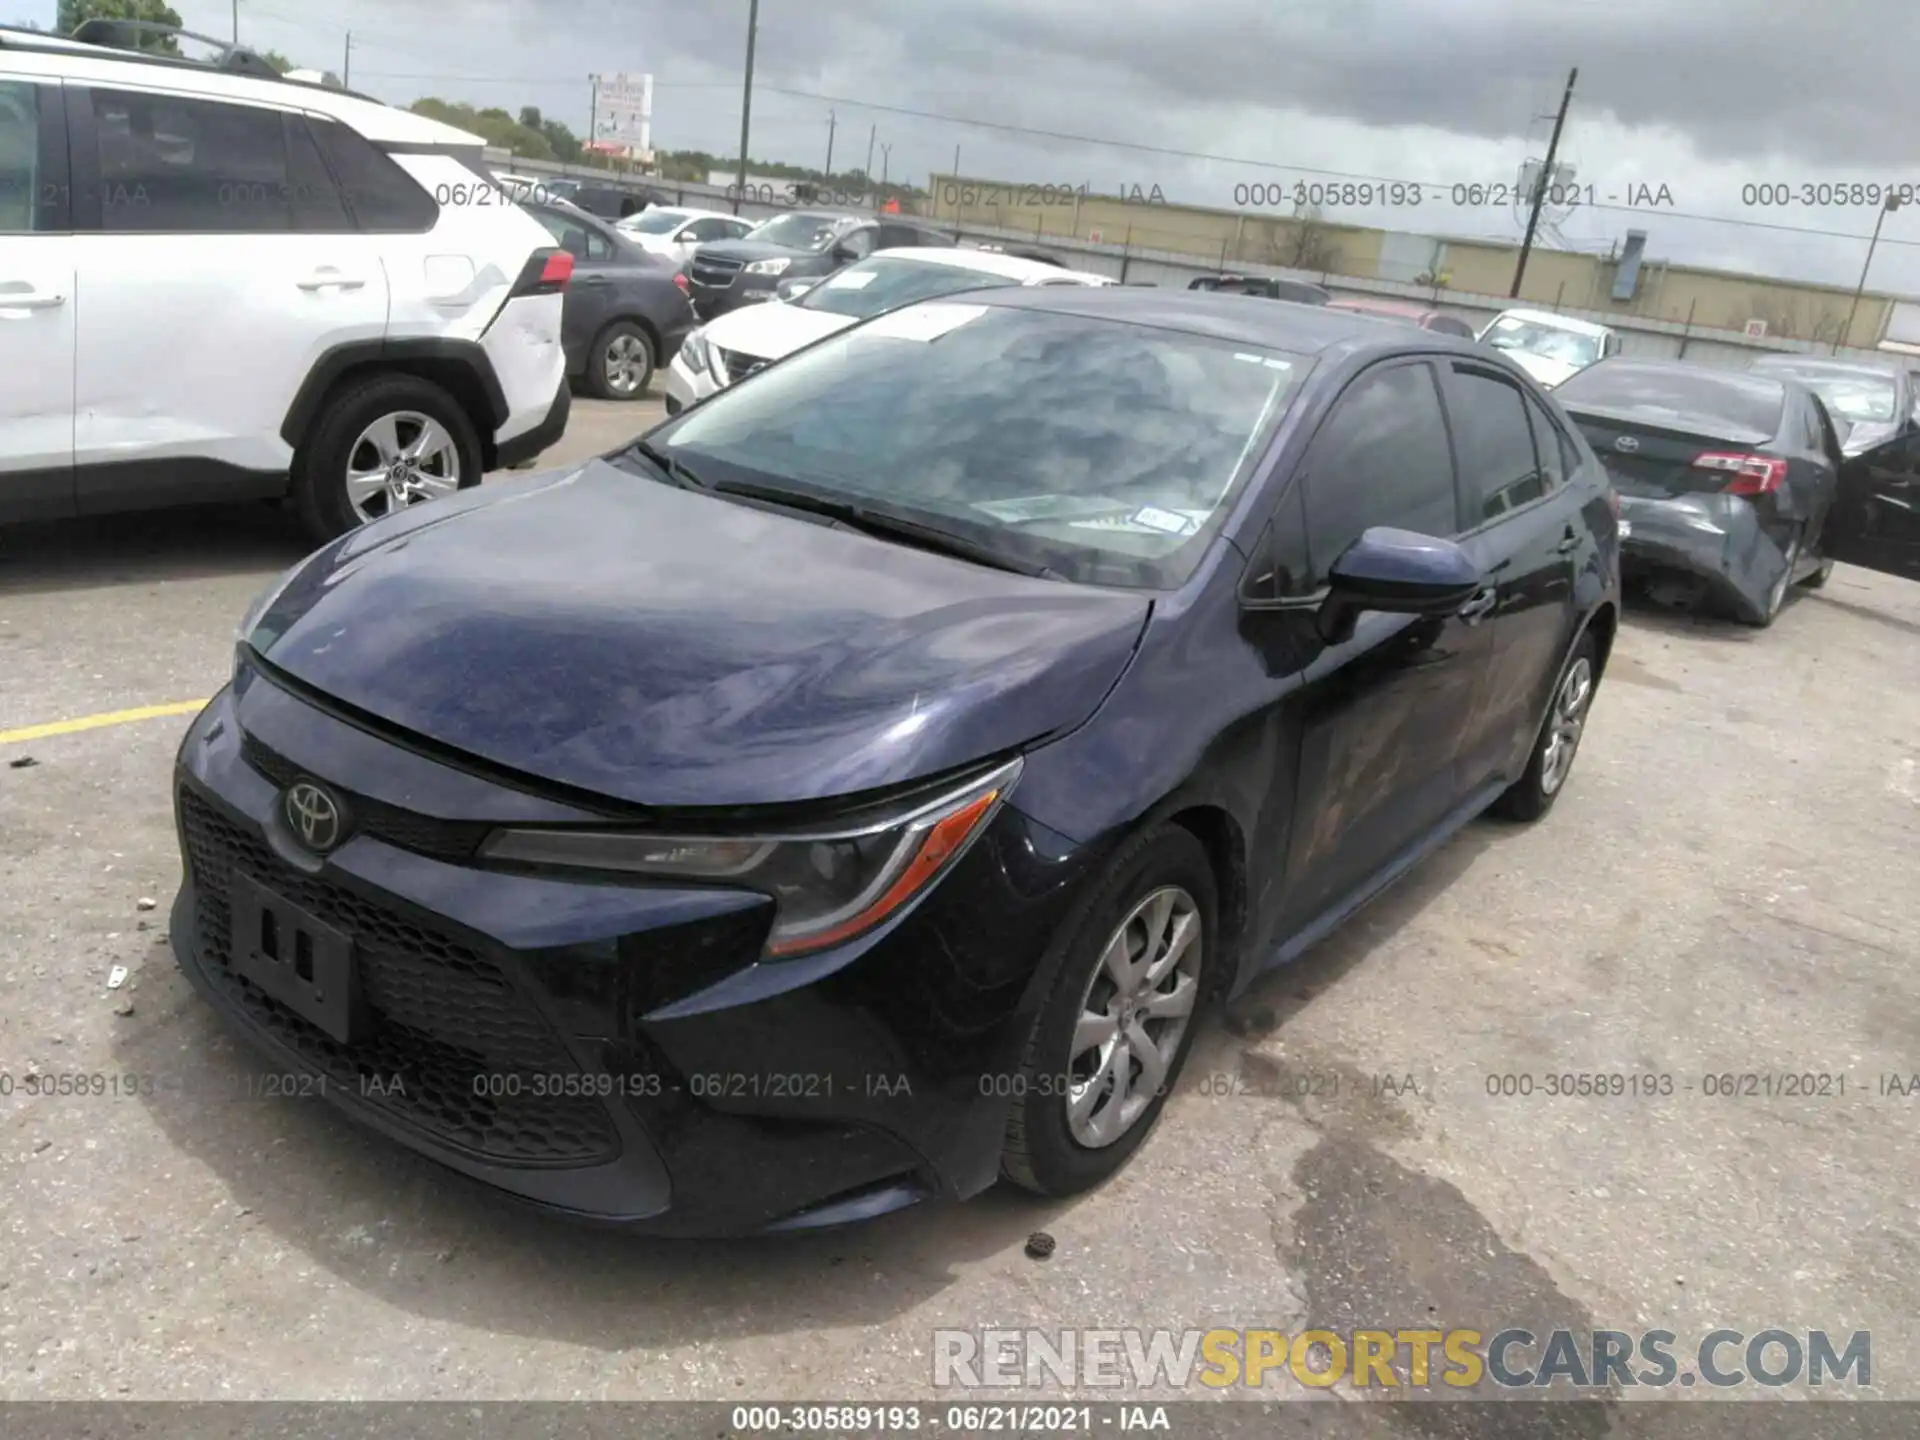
440, 1014
737, 365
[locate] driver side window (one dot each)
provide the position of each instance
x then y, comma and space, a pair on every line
1381, 458
859, 244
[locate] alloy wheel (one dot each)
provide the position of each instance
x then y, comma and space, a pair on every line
627, 364
399, 460
1564, 724
1133, 1015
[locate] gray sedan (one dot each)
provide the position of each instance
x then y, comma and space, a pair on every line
625, 312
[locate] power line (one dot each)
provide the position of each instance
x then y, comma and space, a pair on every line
1137, 147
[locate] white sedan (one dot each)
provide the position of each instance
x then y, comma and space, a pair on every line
674, 231
743, 340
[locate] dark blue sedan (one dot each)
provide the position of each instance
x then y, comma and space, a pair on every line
855, 790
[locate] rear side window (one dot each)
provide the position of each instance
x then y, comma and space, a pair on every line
384, 199
578, 240
1687, 394
1497, 459
1380, 458
1558, 459
318, 205
171, 165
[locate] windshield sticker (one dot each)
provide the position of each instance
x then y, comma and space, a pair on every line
851, 279
1165, 521
923, 322
1045, 507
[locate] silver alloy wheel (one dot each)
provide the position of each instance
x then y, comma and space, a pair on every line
1134, 1011
1777, 595
1564, 724
400, 460
627, 364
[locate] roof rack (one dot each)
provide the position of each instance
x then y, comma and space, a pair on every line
116, 34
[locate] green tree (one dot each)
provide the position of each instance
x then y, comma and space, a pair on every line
72, 12
493, 125
277, 60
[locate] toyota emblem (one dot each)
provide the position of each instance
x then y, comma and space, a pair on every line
314, 816
1627, 444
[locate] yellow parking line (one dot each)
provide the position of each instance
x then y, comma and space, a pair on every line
95, 722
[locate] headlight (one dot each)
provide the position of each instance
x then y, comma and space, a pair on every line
830, 885
768, 267
694, 348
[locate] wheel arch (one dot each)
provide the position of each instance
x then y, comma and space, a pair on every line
1221, 837
460, 367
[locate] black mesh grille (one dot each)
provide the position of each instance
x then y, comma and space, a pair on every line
440, 1014
715, 269
422, 834
739, 366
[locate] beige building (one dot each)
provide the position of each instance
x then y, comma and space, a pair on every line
1708, 299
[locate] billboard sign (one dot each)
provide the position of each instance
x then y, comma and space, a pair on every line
623, 114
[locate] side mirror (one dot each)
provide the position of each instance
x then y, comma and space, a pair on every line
1397, 572
792, 289
844, 254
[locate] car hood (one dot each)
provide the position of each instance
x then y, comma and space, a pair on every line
609, 632
752, 250
771, 331
1544, 368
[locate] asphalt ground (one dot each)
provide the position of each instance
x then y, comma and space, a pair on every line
1727, 888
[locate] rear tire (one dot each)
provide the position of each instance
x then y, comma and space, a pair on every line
1047, 1150
339, 444
1819, 577
620, 364
1776, 600
1551, 763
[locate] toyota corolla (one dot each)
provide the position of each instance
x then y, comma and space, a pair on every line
854, 790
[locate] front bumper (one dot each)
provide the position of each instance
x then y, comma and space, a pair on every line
712, 301
1721, 539
682, 387
615, 1051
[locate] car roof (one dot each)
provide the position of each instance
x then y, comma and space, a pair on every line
692, 212
1833, 365
32, 52
1559, 322
1748, 380
990, 262
1381, 307
1273, 324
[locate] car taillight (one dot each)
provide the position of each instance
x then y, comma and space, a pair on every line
680, 279
545, 273
1749, 474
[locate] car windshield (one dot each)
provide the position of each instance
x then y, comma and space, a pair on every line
655, 222
1673, 394
1858, 395
1569, 347
800, 231
1103, 450
886, 283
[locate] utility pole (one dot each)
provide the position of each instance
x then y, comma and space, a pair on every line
1892, 204
956, 162
830, 124
886, 151
872, 131
346, 64
593, 115
1540, 187
746, 100
236, 22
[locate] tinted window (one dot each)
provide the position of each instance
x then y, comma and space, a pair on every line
574, 236
1681, 393
882, 283
801, 231
860, 242
382, 196
1380, 458
665, 222
1447, 325
1104, 450
1496, 445
716, 229
1550, 445
22, 185
318, 206
201, 166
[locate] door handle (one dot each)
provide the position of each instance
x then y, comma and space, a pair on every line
330, 280
1479, 605
1569, 543
29, 300
594, 280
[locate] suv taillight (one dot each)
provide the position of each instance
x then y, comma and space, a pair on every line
545, 273
1750, 474
680, 279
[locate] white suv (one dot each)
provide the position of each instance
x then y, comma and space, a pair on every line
216, 283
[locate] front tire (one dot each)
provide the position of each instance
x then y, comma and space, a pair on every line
620, 365
1558, 742
1120, 1019
379, 445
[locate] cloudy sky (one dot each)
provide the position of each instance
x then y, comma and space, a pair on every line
1703, 97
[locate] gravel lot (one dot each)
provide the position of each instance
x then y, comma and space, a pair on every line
1727, 886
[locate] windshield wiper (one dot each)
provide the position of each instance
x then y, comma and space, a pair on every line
883, 526
676, 471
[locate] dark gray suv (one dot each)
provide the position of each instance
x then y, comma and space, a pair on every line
806, 244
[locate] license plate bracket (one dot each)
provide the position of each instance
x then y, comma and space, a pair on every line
296, 958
